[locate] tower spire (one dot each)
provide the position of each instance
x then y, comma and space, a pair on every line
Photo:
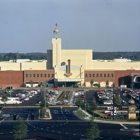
56, 32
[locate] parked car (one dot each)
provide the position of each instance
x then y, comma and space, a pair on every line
8, 88
107, 102
83, 96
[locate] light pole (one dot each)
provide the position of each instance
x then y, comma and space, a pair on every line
44, 85
132, 80
80, 73
113, 101
85, 109
139, 115
10, 82
65, 89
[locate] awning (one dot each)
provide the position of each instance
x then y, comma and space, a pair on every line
68, 79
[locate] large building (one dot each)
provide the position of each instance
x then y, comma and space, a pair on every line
65, 67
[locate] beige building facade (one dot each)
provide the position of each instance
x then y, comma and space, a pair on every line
74, 67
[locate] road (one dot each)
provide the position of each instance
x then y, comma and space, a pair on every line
64, 125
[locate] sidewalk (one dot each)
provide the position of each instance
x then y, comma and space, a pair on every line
105, 121
71, 102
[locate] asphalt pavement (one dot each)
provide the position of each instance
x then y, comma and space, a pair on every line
64, 125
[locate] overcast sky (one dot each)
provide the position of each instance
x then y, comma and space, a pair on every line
100, 25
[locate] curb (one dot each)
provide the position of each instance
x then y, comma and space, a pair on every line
45, 118
115, 122
80, 117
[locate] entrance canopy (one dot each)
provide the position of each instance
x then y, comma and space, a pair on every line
68, 80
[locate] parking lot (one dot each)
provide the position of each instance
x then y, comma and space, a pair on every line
29, 96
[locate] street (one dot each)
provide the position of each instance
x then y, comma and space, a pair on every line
63, 125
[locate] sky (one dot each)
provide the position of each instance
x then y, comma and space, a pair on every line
101, 25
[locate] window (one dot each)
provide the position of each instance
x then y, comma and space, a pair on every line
85, 75
108, 75
33, 75
52, 75
93, 75
89, 75
104, 75
40, 75
37, 75
30, 75
97, 75
26, 75
100, 75
112, 75
48, 75
44, 75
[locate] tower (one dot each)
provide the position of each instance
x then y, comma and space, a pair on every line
56, 48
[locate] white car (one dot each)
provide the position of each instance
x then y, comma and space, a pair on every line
107, 102
26, 98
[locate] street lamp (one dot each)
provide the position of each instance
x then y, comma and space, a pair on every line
10, 82
85, 109
113, 100
44, 85
139, 115
65, 89
80, 73
132, 80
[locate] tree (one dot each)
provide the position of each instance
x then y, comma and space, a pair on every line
4, 98
122, 82
91, 82
113, 85
20, 130
93, 131
117, 100
99, 85
42, 104
93, 106
107, 83
43, 112
79, 102
31, 83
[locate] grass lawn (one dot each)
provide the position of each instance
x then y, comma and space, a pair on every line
81, 114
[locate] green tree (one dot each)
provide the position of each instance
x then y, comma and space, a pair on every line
84, 105
113, 85
43, 112
20, 130
122, 82
117, 100
42, 104
93, 106
91, 82
93, 131
31, 83
107, 83
79, 102
99, 85
4, 98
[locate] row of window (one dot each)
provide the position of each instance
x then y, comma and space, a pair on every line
86, 75
39, 75
99, 75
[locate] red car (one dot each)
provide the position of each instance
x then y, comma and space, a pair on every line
83, 96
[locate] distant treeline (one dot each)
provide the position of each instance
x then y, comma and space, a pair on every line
135, 56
